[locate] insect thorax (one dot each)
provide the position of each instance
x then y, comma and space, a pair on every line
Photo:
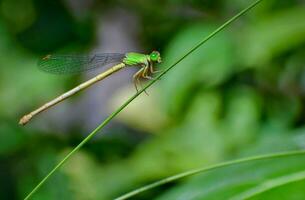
135, 58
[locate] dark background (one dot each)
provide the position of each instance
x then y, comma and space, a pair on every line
240, 94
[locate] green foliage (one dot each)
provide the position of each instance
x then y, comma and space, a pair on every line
241, 94
261, 43
208, 70
257, 179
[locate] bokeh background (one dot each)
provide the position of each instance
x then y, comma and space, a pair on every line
239, 95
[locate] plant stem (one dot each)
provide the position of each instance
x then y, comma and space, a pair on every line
205, 169
108, 119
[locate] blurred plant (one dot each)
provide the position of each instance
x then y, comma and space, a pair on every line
107, 120
242, 95
236, 180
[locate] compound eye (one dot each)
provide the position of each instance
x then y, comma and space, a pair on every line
154, 56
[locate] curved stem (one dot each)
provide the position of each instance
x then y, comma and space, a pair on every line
205, 169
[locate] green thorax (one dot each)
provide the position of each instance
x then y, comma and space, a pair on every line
136, 59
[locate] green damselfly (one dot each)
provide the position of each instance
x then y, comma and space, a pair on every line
67, 64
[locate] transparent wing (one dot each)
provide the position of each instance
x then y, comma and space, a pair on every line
69, 64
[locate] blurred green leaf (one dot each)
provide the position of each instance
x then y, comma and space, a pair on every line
241, 123
18, 14
11, 138
291, 190
272, 36
273, 139
208, 66
240, 180
36, 168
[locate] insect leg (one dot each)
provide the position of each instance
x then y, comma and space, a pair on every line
145, 73
151, 69
136, 77
142, 74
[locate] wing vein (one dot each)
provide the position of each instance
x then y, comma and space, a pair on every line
69, 64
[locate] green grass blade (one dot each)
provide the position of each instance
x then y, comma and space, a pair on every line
251, 193
268, 185
107, 120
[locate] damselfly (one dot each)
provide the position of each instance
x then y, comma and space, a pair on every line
67, 64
